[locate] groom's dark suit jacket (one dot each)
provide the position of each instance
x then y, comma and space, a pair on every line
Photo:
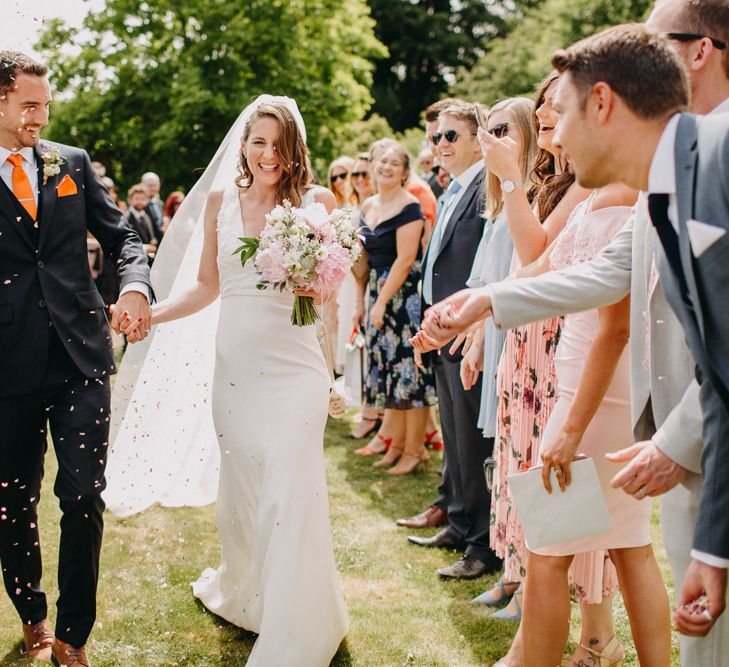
696, 283
45, 275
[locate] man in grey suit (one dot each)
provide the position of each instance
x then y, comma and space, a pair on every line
663, 390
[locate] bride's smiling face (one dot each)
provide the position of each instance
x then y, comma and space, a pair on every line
261, 152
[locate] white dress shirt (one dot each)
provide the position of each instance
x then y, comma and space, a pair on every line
29, 167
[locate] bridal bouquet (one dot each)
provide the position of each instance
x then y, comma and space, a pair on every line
303, 248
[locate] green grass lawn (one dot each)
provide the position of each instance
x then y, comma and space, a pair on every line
402, 614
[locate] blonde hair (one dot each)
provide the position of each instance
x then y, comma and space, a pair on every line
347, 163
382, 146
296, 174
520, 109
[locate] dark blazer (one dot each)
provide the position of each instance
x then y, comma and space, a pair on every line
147, 235
48, 277
454, 259
156, 213
702, 195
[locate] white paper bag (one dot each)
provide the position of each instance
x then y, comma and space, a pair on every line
560, 517
353, 368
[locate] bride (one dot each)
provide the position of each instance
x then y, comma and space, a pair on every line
270, 390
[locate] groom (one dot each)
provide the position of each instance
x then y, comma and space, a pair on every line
55, 357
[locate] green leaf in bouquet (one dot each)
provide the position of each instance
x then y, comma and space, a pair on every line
248, 248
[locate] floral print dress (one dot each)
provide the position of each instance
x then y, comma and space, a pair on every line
392, 380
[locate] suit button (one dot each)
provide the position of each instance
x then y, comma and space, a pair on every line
40, 264
41, 304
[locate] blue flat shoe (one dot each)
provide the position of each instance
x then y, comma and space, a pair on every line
505, 615
489, 600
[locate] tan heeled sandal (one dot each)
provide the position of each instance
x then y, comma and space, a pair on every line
605, 655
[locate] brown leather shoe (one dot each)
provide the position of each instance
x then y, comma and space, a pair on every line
38, 640
65, 655
431, 518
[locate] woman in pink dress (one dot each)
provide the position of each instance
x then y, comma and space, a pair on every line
592, 417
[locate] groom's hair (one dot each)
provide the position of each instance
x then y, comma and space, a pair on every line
13, 63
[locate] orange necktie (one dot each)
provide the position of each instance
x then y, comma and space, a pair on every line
21, 186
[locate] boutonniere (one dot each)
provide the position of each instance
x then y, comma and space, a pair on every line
52, 161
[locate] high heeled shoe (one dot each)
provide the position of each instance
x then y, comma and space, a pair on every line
435, 445
504, 597
368, 450
408, 463
365, 427
391, 457
606, 654
505, 615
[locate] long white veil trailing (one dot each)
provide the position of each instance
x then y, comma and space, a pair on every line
164, 447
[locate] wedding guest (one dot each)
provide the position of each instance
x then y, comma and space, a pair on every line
140, 221
392, 228
447, 265
155, 207
340, 181
361, 178
172, 203
426, 163
99, 168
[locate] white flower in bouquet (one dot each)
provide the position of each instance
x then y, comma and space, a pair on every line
303, 248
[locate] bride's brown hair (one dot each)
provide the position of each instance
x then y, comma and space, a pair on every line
296, 174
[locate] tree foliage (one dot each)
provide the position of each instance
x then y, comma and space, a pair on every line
428, 41
158, 84
514, 64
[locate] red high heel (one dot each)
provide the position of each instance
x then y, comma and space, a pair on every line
367, 451
435, 446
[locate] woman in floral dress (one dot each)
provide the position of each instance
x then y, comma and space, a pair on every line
392, 227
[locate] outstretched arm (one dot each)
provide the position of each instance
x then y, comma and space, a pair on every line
205, 289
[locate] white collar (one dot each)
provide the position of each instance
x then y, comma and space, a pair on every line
27, 153
721, 108
466, 178
662, 175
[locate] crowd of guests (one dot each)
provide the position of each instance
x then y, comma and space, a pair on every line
512, 395
147, 214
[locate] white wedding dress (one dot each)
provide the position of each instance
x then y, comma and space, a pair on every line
277, 575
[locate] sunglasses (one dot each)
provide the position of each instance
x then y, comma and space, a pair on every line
357, 174
336, 177
451, 136
692, 37
500, 130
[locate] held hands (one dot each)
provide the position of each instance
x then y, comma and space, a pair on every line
445, 320
132, 313
559, 454
500, 156
649, 473
702, 600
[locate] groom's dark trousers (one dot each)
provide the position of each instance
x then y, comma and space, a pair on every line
55, 361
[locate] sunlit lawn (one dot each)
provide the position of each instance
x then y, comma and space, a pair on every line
401, 613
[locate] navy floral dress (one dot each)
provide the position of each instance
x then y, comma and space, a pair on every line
393, 381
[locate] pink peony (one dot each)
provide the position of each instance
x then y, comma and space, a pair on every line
270, 264
333, 268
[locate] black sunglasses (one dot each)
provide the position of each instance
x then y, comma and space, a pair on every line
451, 136
336, 177
363, 174
500, 130
692, 37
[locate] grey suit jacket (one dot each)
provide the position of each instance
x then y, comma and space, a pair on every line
664, 393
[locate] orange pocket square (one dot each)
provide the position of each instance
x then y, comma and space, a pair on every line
66, 187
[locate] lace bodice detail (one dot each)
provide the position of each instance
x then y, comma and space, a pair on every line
586, 233
235, 279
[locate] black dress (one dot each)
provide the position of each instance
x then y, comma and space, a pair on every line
393, 380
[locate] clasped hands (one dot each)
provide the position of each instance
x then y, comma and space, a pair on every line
132, 316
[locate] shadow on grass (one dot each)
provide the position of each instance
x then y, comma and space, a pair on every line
15, 657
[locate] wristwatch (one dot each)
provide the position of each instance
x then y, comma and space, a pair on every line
508, 186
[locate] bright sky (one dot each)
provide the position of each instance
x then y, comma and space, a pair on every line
21, 19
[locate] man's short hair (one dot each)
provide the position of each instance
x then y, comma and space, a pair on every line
464, 111
137, 189
637, 63
709, 18
435, 109
13, 63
